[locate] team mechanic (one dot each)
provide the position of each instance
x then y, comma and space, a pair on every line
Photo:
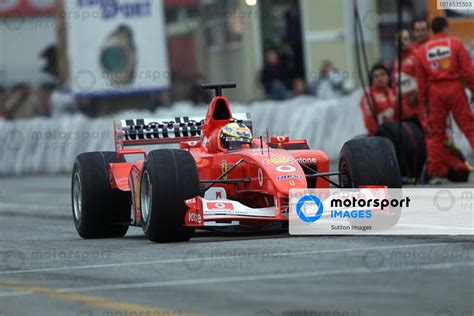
378, 103
441, 64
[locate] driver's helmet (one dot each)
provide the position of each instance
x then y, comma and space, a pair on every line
234, 135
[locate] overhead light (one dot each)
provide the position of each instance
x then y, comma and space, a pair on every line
251, 2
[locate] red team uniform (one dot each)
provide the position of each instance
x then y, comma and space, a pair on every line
411, 107
441, 64
384, 108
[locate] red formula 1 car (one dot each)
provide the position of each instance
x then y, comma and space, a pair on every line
171, 192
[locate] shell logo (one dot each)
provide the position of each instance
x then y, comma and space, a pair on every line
278, 161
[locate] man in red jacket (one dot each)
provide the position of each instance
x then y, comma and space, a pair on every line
412, 109
378, 102
421, 32
441, 65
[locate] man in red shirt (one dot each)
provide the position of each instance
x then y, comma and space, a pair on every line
411, 108
378, 102
441, 65
421, 32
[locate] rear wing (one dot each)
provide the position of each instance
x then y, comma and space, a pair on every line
136, 132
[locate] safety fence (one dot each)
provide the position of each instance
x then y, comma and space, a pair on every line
43, 145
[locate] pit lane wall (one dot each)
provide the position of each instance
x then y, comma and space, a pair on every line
43, 145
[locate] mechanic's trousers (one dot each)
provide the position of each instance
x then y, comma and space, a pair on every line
446, 97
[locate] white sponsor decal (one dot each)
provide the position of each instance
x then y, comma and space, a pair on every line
307, 161
194, 218
289, 176
438, 52
285, 169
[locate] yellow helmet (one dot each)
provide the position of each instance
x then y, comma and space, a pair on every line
234, 135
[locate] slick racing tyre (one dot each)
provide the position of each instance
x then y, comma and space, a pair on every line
169, 177
98, 210
412, 147
371, 161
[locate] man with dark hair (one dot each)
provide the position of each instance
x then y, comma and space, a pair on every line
272, 77
442, 64
439, 25
421, 32
378, 102
21, 103
411, 108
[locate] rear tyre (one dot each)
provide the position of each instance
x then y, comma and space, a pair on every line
413, 147
96, 207
169, 177
371, 162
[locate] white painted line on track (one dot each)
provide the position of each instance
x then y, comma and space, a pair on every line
467, 229
247, 278
199, 258
7, 294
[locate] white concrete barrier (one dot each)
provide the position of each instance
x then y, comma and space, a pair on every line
43, 145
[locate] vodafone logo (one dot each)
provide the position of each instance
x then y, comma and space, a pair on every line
307, 161
285, 169
194, 218
220, 206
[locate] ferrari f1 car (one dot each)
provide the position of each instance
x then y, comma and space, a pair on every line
204, 185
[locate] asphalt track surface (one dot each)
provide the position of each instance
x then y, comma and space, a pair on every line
46, 269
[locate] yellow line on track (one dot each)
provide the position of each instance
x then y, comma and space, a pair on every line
93, 301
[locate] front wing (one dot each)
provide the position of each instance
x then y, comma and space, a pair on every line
203, 212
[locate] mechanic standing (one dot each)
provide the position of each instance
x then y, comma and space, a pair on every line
441, 65
378, 103
411, 107
421, 32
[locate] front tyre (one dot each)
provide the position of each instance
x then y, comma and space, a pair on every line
169, 177
97, 208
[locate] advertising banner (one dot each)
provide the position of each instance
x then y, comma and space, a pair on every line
116, 47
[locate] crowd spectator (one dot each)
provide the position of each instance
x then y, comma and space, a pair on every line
412, 109
378, 103
273, 76
329, 82
3, 98
293, 36
443, 64
421, 32
44, 98
299, 88
198, 95
21, 103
